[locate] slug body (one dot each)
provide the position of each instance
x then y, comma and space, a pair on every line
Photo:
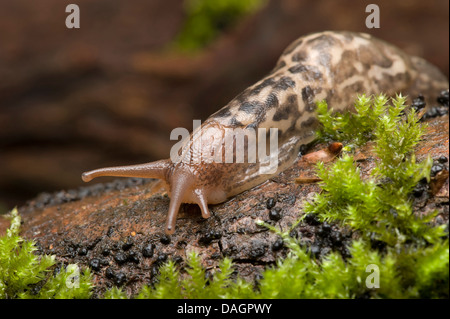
335, 66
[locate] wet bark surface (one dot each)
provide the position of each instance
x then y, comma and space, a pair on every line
111, 92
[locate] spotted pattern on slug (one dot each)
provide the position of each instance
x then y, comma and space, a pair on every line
335, 66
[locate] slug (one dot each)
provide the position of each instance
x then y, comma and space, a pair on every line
335, 66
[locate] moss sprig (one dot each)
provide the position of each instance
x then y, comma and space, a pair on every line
24, 274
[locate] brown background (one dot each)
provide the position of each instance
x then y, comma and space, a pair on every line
110, 92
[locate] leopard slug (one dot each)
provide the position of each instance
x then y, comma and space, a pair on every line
335, 66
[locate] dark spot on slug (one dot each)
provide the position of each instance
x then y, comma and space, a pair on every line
286, 111
292, 99
299, 56
253, 125
284, 83
325, 59
272, 101
297, 68
308, 72
309, 122
250, 107
308, 98
234, 122
321, 42
366, 53
258, 88
307, 94
223, 112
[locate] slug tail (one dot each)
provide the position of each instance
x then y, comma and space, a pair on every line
156, 169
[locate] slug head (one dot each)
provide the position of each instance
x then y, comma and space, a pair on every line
186, 183
194, 176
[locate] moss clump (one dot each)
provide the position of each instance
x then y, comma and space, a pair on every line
206, 19
195, 285
357, 127
23, 274
379, 206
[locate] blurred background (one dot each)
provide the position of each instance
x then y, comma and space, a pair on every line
110, 92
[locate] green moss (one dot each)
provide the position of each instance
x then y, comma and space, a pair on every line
206, 19
195, 285
23, 274
413, 263
356, 127
115, 293
380, 205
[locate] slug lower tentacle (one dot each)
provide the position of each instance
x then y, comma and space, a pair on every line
335, 66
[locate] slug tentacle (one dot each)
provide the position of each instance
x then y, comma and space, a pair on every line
180, 187
331, 66
156, 169
203, 203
